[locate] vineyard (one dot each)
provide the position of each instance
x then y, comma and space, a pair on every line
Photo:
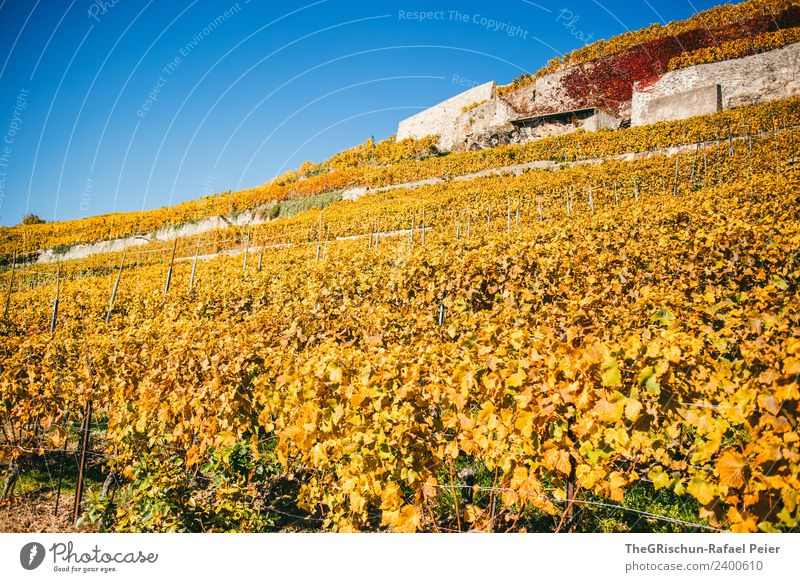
600, 347
375, 165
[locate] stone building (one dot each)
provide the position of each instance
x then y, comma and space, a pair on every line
480, 117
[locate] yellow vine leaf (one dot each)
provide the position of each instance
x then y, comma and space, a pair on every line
405, 520
659, 478
730, 467
557, 460
391, 497
701, 489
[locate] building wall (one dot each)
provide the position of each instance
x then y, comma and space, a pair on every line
688, 92
678, 94
601, 120
439, 118
477, 125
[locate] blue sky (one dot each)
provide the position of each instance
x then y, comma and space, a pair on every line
120, 105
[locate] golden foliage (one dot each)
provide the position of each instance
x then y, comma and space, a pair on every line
735, 49
655, 337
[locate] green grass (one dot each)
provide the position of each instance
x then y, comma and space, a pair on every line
287, 208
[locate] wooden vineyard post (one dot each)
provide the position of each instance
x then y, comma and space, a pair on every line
63, 461
319, 237
194, 264
591, 200
458, 227
516, 224
115, 289
10, 286
469, 224
260, 260
423, 226
54, 316
169, 270
570, 491
86, 427
508, 215
539, 206
705, 170
246, 248
675, 177
411, 233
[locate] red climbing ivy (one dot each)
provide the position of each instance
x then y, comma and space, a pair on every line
608, 82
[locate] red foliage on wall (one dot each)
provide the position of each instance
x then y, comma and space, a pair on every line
608, 82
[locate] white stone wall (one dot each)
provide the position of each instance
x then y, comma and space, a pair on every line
601, 120
755, 79
546, 95
492, 116
440, 118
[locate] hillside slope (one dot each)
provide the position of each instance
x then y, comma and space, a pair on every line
608, 67
628, 329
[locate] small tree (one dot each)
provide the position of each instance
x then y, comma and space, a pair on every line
32, 219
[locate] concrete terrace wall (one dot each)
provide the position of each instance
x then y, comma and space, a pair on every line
698, 101
688, 92
478, 125
439, 118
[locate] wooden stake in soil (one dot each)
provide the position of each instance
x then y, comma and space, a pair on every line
54, 316
87, 423
260, 259
246, 248
570, 492
508, 215
10, 286
423, 226
539, 206
675, 177
114, 290
319, 236
63, 461
171, 264
194, 264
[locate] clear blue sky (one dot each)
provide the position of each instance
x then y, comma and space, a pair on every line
130, 104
